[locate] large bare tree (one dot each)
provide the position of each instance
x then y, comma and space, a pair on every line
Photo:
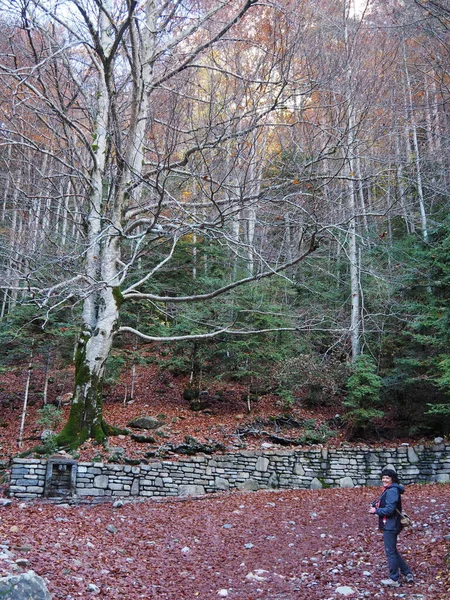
138, 116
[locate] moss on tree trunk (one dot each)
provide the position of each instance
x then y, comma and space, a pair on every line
86, 414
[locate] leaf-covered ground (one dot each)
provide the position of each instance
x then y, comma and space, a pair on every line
299, 544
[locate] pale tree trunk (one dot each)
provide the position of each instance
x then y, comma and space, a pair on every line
355, 319
256, 168
7, 184
25, 398
416, 151
101, 308
352, 248
46, 378
362, 202
401, 190
287, 237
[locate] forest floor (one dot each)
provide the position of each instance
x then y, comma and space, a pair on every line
267, 545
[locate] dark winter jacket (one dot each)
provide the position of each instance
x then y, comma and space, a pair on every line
389, 502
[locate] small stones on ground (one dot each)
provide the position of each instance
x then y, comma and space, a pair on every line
22, 562
345, 590
93, 588
222, 593
111, 528
257, 575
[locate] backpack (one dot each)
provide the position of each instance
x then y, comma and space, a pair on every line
405, 519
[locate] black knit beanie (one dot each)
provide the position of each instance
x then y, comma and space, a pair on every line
390, 473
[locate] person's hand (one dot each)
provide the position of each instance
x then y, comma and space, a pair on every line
372, 510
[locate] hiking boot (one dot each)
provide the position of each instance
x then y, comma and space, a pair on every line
390, 583
409, 578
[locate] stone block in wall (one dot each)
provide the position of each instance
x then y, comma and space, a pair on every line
90, 492
372, 458
408, 472
221, 484
101, 481
115, 486
443, 478
287, 482
315, 484
15, 489
274, 481
24, 482
250, 485
412, 455
35, 489
191, 490
274, 458
19, 471
346, 482
262, 464
248, 453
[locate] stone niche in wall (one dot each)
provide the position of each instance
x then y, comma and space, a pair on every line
60, 478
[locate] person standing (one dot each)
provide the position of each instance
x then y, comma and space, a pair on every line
388, 508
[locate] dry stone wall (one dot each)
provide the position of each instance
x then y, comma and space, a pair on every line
311, 468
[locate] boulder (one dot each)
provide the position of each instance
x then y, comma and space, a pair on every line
27, 586
145, 422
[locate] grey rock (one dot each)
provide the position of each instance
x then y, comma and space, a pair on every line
27, 586
346, 482
111, 529
250, 485
315, 484
191, 490
22, 562
5, 502
412, 456
345, 590
145, 423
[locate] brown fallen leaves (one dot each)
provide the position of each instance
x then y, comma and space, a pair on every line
296, 544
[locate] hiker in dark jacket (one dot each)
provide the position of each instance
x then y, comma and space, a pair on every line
388, 508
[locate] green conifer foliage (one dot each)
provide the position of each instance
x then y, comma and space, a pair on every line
363, 398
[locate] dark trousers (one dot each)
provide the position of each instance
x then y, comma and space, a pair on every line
395, 560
